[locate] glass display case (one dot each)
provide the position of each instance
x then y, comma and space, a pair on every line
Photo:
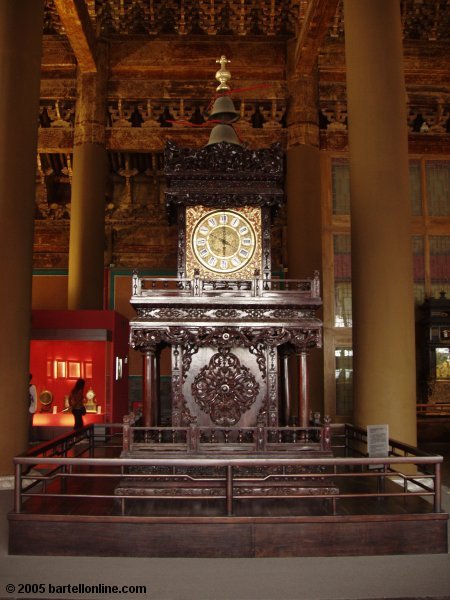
68, 345
433, 351
442, 360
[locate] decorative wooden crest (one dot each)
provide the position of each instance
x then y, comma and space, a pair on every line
223, 174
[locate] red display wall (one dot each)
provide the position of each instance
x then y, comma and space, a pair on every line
57, 364
93, 345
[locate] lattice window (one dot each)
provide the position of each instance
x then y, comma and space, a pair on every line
344, 381
438, 187
419, 268
342, 281
340, 177
440, 264
415, 187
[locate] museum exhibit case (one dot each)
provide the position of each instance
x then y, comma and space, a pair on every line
68, 345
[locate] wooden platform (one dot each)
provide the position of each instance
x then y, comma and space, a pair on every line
357, 514
195, 527
435, 429
225, 537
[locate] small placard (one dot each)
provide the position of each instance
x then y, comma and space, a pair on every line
378, 440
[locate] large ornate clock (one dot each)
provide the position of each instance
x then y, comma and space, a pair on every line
230, 325
223, 241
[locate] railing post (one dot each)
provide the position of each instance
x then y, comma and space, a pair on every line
136, 284
91, 440
315, 291
229, 491
346, 440
325, 434
193, 438
127, 435
64, 470
258, 285
260, 439
196, 283
17, 488
437, 488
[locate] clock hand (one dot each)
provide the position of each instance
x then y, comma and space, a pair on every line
220, 239
224, 241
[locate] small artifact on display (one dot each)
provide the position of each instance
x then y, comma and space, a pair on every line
46, 399
91, 403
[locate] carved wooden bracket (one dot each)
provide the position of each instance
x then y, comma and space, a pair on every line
147, 339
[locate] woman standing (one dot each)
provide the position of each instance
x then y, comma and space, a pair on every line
76, 402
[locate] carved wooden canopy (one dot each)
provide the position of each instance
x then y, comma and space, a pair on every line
223, 174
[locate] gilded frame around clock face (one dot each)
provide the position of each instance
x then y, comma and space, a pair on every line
223, 242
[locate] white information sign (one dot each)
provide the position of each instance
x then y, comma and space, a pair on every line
378, 442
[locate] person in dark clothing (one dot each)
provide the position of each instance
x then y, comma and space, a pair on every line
76, 402
32, 406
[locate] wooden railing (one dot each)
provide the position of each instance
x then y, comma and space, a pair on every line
195, 439
51, 471
434, 410
144, 287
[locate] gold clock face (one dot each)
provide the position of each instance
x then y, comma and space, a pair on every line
224, 241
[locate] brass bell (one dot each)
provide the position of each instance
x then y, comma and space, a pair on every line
223, 110
223, 133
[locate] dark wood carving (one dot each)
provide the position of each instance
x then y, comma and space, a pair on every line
189, 350
224, 388
224, 175
229, 161
146, 340
243, 313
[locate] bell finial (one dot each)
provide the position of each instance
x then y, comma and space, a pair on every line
223, 111
223, 133
223, 75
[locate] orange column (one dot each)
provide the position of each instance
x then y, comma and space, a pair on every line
87, 217
382, 275
20, 63
303, 189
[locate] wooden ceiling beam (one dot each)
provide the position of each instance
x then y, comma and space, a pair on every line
314, 28
75, 19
